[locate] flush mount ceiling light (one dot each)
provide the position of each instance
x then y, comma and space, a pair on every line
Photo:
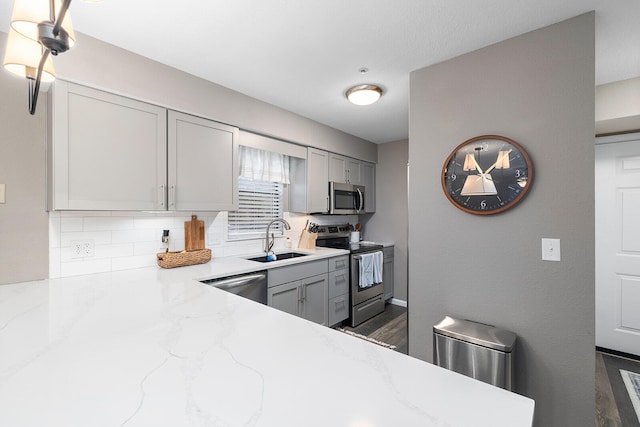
364, 94
38, 28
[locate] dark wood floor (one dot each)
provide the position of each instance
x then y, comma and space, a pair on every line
613, 405
612, 409
389, 327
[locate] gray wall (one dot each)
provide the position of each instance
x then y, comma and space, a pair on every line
389, 223
104, 66
537, 89
24, 239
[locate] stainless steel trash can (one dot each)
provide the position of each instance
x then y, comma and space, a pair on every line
476, 350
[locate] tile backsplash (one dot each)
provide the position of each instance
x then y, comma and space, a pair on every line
94, 242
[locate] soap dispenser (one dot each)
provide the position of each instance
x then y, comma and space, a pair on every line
165, 241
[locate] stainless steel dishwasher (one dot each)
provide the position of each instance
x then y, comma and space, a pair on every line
252, 285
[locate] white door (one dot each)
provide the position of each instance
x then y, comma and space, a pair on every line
617, 203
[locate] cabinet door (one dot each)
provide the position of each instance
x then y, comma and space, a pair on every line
387, 278
203, 164
106, 152
317, 181
369, 182
315, 299
286, 297
337, 168
354, 172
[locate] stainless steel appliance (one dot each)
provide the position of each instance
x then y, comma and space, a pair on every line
252, 286
479, 351
364, 302
346, 199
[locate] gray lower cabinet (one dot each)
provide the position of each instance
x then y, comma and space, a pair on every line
338, 289
387, 272
301, 290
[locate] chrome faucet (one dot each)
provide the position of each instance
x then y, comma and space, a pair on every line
268, 244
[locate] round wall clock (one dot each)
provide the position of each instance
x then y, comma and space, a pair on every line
487, 174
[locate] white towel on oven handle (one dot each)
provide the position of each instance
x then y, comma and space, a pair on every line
377, 267
370, 269
366, 270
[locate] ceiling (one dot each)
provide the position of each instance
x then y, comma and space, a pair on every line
303, 55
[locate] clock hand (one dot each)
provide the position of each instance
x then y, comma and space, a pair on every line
473, 156
500, 159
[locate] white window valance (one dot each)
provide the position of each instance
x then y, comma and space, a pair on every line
263, 165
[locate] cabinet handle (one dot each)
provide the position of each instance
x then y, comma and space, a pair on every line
328, 208
163, 196
172, 196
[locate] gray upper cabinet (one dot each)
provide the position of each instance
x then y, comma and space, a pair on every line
338, 168
369, 182
106, 152
354, 172
202, 164
317, 181
309, 189
345, 169
109, 152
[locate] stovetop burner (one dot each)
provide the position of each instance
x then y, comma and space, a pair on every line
360, 247
337, 237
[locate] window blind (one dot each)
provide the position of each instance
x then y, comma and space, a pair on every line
259, 202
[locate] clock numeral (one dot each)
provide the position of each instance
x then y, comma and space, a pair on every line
483, 204
453, 177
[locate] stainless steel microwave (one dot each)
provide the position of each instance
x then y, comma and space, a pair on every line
346, 199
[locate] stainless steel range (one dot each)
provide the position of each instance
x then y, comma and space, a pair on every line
365, 301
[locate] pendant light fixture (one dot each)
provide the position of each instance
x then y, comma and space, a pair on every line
39, 28
364, 94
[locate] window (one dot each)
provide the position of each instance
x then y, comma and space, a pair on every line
263, 175
259, 202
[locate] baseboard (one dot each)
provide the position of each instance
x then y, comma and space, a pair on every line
618, 353
399, 302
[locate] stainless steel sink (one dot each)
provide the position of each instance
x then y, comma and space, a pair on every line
280, 257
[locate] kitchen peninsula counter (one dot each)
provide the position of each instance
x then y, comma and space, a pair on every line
154, 347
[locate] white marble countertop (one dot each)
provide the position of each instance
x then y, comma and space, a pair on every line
153, 347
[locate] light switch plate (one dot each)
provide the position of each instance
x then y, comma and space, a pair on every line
2, 193
551, 249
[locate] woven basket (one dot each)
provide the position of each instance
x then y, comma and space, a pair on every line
184, 258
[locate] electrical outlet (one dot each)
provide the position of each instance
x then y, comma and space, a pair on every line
83, 248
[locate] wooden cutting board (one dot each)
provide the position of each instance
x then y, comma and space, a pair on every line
193, 234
